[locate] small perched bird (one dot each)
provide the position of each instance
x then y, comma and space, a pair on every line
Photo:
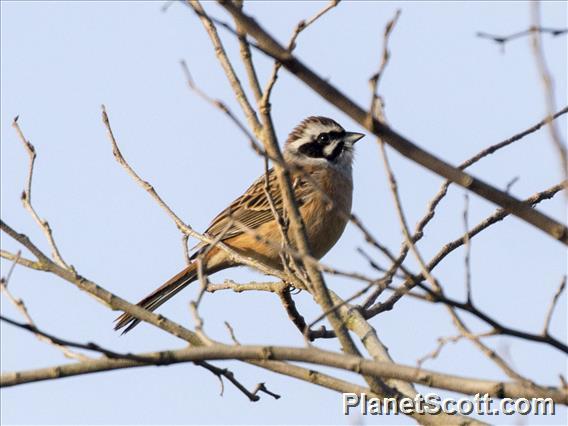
322, 150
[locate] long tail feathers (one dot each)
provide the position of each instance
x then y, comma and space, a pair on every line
159, 296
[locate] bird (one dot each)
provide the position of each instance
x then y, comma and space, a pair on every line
320, 155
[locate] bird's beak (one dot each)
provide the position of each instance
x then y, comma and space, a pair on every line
352, 137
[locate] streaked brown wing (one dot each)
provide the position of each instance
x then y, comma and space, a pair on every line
252, 209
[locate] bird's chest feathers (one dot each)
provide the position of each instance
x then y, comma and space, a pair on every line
326, 221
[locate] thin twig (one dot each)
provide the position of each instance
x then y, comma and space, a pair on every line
377, 106
185, 248
402, 219
499, 328
232, 333
5, 280
63, 343
246, 57
442, 342
301, 26
561, 287
27, 197
467, 246
223, 58
22, 308
293, 313
201, 272
220, 105
548, 86
262, 388
511, 183
502, 40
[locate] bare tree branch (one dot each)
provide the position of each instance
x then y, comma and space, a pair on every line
309, 355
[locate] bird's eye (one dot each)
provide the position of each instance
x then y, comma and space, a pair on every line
323, 138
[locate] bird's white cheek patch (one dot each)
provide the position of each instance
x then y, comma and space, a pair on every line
328, 150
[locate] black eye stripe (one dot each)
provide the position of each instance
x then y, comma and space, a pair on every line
316, 148
312, 149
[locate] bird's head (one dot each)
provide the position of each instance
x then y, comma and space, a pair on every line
321, 141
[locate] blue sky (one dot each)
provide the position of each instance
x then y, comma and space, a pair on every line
449, 91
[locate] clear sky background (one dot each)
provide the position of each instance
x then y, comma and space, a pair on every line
449, 91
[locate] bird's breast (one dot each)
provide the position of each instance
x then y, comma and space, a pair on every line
325, 222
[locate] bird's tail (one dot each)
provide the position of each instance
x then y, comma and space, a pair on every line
159, 296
